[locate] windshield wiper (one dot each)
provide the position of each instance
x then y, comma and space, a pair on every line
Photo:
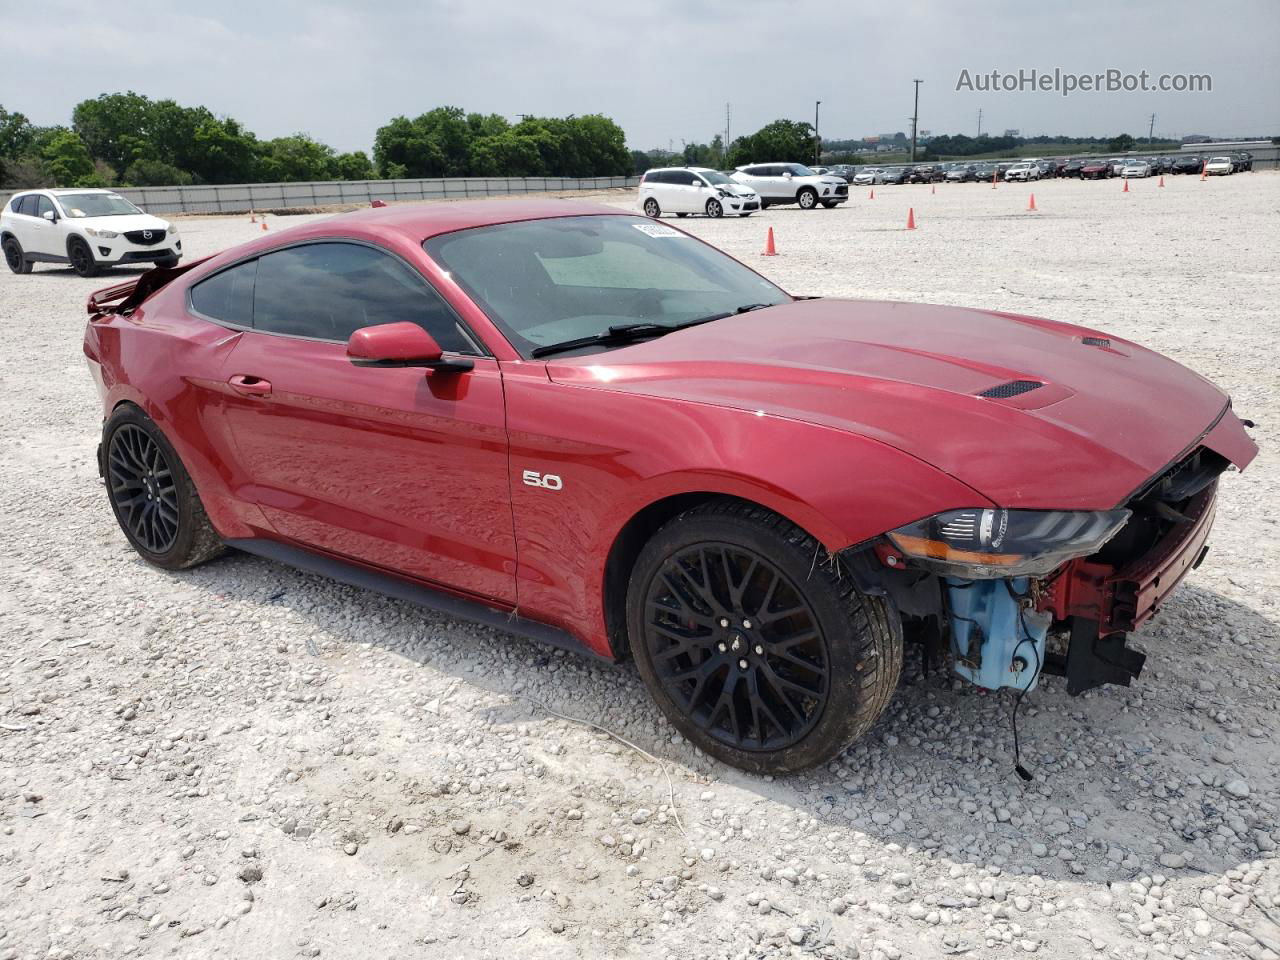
619, 333
631, 332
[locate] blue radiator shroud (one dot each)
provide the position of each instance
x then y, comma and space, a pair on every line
996, 642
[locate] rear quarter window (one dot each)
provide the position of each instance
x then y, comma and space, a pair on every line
227, 296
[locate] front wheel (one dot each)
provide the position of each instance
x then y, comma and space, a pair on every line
807, 198
81, 257
15, 258
757, 654
651, 208
830, 204
152, 495
714, 209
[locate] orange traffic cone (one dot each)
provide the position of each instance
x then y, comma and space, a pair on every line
769, 249
1031, 204
1126, 185
1161, 183
993, 180
252, 217
1204, 174
933, 188
264, 223
872, 195
911, 218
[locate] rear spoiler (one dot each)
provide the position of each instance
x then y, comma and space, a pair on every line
125, 297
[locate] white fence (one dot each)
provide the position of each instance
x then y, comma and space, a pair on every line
241, 197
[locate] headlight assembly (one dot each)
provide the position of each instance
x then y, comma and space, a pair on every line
988, 544
101, 234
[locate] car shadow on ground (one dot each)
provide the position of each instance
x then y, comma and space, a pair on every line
119, 273
936, 772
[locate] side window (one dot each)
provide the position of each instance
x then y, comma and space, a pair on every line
44, 205
29, 204
329, 290
751, 171
227, 296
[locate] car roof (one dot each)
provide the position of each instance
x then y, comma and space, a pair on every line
67, 191
417, 222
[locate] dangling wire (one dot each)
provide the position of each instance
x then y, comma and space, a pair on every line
1018, 768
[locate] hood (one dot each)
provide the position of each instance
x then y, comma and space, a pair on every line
1103, 419
130, 221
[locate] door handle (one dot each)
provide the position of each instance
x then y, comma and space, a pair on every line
249, 386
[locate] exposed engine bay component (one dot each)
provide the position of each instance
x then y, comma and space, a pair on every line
997, 639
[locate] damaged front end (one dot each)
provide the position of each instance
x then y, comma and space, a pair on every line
991, 586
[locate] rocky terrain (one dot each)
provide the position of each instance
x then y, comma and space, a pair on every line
247, 761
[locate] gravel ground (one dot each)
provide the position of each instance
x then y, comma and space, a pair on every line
246, 761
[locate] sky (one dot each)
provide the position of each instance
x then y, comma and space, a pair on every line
662, 69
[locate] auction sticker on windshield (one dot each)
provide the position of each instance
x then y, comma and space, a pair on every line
657, 230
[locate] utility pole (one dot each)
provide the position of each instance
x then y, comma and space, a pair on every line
817, 140
979, 121
1151, 131
915, 120
726, 130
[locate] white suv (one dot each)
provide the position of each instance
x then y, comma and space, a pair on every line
89, 229
792, 183
1026, 170
686, 190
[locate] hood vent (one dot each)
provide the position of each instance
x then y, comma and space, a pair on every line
1095, 341
1014, 388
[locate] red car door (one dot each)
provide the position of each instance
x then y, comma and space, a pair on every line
395, 467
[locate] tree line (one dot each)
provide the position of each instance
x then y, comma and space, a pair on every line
127, 139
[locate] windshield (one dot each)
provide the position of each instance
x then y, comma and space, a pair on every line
79, 205
798, 170
714, 177
547, 281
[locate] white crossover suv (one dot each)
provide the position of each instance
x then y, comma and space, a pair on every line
1027, 170
792, 183
686, 190
89, 229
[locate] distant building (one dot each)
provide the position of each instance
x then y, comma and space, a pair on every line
1013, 133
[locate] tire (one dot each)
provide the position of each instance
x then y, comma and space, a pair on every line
715, 209
830, 204
744, 214
81, 256
14, 256
681, 215
152, 495
827, 661
168, 263
651, 208
807, 198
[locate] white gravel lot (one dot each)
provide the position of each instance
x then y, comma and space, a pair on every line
245, 761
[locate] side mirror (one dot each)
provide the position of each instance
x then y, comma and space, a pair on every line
697, 183
788, 174
401, 344
50, 215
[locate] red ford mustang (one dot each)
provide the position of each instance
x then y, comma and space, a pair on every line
596, 430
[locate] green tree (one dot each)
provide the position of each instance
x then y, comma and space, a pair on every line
783, 141
353, 166
1121, 144
297, 157
506, 155
114, 127
67, 160
154, 173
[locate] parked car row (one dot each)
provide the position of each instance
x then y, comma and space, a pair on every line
692, 190
1085, 168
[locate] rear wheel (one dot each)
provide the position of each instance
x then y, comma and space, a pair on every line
758, 655
651, 208
807, 198
714, 208
152, 495
14, 256
81, 257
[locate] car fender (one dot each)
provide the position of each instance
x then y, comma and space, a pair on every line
614, 455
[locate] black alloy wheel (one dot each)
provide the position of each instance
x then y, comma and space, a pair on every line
82, 261
736, 647
14, 256
143, 489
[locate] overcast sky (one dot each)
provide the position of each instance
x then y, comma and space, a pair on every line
663, 69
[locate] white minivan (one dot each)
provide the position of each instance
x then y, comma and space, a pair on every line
686, 190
